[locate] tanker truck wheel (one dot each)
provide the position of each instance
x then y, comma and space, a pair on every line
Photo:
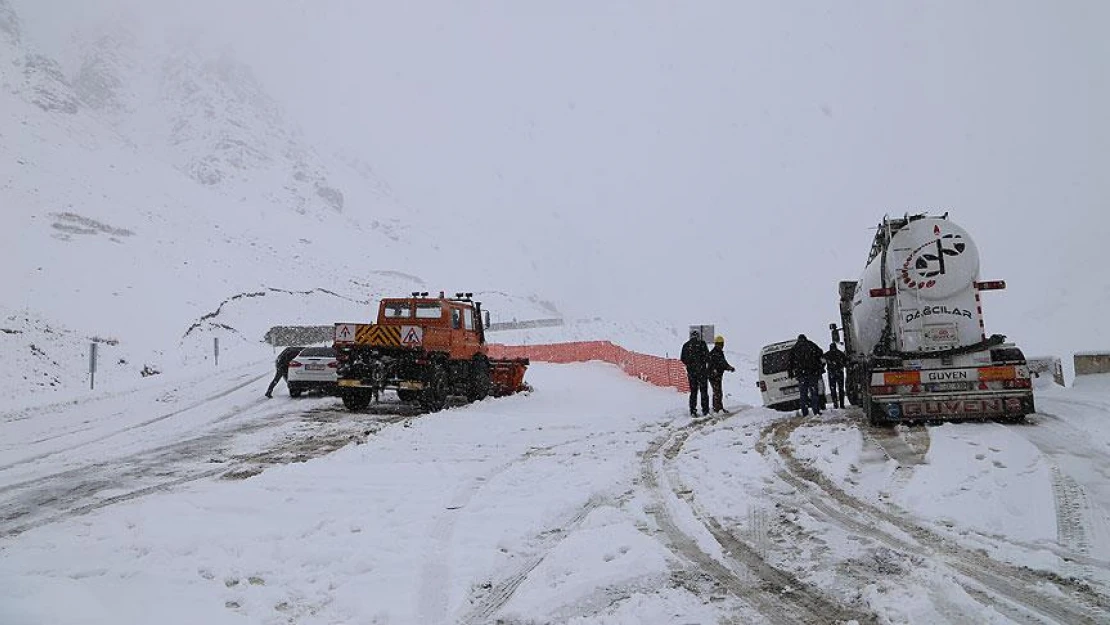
434, 396
875, 414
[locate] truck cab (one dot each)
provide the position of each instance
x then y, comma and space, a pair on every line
450, 326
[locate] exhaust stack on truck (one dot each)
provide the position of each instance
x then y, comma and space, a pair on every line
914, 331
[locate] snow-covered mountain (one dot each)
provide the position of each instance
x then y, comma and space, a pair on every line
156, 198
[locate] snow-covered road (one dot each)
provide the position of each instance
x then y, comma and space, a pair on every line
593, 499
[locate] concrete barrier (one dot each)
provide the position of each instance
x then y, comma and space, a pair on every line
1047, 366
299, 335
1092, 363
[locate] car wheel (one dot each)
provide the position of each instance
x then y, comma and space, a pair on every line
295, 391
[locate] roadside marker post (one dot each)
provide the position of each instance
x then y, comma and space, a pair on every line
92, 365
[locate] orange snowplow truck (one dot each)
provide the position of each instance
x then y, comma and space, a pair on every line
425, 349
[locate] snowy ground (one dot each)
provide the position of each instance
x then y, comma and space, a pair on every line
593, 499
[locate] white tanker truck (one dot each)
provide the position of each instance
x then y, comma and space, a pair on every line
914, 334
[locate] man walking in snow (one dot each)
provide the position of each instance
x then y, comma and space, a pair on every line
835, 361
804, 363
695, 355
281, 364
718, 364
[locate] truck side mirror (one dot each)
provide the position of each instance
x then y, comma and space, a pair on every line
835, 331
486, 324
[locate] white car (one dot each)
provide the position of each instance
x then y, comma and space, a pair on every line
780, 391
313, 369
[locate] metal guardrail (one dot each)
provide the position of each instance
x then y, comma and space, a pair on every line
524, 325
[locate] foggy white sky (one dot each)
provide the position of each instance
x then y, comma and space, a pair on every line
727, 158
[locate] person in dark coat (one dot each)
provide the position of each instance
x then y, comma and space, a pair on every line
835, 361
695, 355
805, 364
281, 366
718, 364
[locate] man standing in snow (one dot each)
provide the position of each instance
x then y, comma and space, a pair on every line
835, 361
804, 363
282, 367
695, 355
718, 364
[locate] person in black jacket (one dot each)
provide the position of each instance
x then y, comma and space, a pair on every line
804, 363
835, 361
718, 364
281, 366
695, 355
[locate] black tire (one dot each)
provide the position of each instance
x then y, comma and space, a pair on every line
295, 391
478, 386
407, 395
434, 396
356, 400
875, 414
853, 385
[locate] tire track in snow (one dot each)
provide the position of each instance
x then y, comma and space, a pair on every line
501, 591
1071, 511
75, 492
1068, 601
906, 446
780, 597
143, 424
436, 572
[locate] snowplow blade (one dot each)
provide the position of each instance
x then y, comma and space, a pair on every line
507, 376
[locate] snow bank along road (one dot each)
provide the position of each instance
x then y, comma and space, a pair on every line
591, 500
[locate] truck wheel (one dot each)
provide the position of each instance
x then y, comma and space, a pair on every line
407, 395
434, 396
875, 415
477, 387
356, 401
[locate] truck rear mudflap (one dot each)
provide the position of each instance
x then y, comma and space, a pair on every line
935, 407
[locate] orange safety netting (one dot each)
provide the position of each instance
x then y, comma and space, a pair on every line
653, 369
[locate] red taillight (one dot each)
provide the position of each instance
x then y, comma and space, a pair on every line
884, 390
1018, 383
333, 364
884, 292
990, 285
295, 364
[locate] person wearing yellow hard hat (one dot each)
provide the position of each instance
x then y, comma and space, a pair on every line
718, 364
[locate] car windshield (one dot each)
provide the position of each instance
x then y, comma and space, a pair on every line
775, 362
318, 352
